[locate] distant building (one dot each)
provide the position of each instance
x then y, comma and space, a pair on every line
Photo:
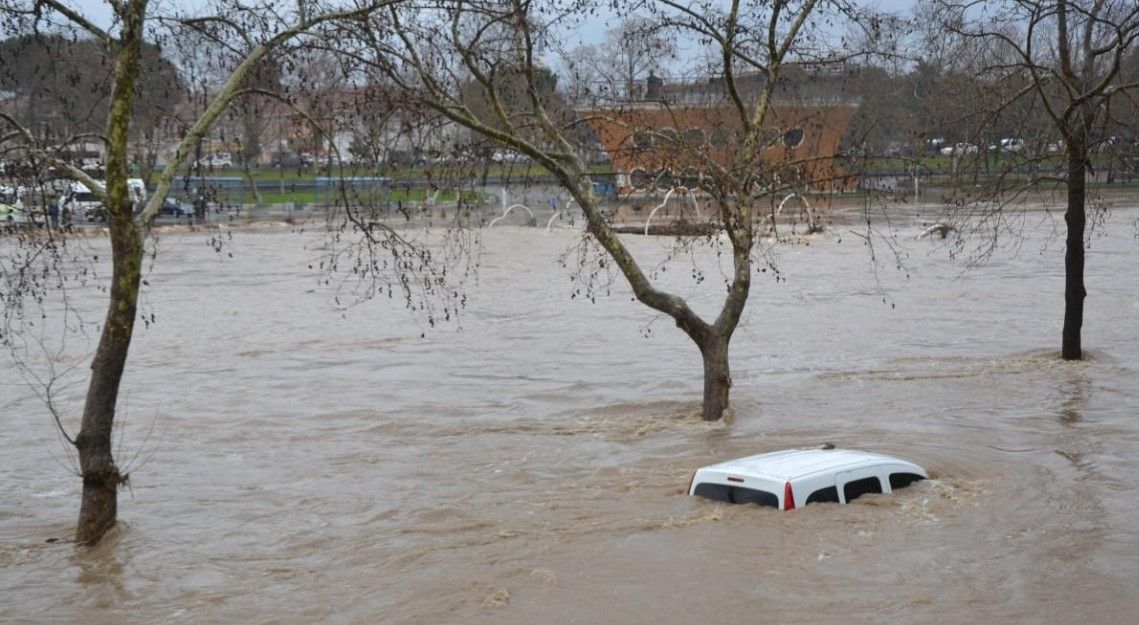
668, 137
362, 124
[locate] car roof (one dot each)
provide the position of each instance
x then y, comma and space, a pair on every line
792, 464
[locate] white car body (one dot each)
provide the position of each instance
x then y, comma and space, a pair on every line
82, 201
958, 149
219, 160
1015, 146
506, 156
784, 479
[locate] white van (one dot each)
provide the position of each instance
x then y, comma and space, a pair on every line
783, 478
79, 200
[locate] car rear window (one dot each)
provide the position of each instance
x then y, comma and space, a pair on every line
902, 480
857, 488
824, 495
736, 494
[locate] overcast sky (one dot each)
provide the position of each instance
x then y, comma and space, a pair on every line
100, 12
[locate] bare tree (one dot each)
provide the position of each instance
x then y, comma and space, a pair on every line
248, 31
636, 47
1048, 71
251, 112
749, 142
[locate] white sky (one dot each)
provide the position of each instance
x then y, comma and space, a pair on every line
99, 11
593, 30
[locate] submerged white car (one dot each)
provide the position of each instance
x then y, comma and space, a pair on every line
783, 479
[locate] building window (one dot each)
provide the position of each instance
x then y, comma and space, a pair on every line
768, 138
642, 140
639, 178
759, 183
719, 137
691, 178
793, 138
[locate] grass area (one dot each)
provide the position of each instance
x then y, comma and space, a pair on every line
299, 186
445, 175
310, 196
938, 164
440, 173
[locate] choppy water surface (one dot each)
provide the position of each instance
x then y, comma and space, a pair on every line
305, 465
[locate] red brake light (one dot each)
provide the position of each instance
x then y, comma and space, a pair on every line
788, 498
690, 480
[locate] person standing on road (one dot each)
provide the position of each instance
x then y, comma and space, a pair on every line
201, 206
53, 212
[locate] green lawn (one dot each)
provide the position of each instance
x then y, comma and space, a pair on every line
309, 196
441, 173
938, 164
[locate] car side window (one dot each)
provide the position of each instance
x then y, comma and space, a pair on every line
902, 480
857, 488
736, 494
824, 495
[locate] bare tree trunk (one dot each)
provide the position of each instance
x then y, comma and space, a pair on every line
1076, 218
717, 376
248, 175
251, 148
101, 478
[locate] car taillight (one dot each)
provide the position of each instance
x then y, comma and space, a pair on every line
690, 480
788, 498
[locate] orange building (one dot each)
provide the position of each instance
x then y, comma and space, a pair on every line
669, 140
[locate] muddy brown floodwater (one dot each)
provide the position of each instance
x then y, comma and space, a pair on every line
309, 465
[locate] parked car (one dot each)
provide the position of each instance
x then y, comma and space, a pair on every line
173, 208
898, 149
284, 159
79, 201
958, 149
292, 160
1014, 146
221, 160
783, 479
506, 156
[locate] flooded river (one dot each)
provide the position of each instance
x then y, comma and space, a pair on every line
293, 463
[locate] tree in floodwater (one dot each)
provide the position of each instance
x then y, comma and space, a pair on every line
1048, 75
729, 143
250, 32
